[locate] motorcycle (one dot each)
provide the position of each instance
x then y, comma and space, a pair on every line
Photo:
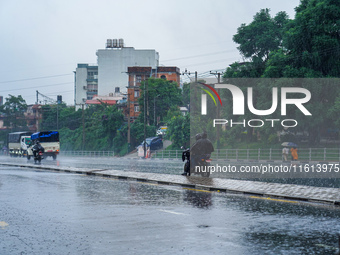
38, 153
201, 168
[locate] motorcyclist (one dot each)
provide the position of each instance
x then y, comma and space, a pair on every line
201, 149
207, 146
194, 152
36, 148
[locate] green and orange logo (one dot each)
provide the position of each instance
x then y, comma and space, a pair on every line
204, 97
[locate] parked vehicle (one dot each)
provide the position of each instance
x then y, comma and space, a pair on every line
155, 143
17, 146
201, 168
161, 131
49, 140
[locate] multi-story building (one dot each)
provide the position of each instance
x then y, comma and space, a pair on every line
138, 74
109, 76
113, 63
86, 83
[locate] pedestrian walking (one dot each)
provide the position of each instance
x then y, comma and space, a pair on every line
285, 152
294, 153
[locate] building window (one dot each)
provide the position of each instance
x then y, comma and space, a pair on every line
92, 75
138, 78
163, 77
136, 108
136, 93
92, 87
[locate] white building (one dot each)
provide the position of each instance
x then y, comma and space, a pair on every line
86, 83
113, 63
109, 76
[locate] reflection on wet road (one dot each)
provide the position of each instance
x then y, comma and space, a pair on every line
75, 214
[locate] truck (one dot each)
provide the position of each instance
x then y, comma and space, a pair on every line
17, 143
49, 140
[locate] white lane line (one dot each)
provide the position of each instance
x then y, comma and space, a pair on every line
172, 212
3, 224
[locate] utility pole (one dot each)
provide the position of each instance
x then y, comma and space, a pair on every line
83, 123
218, 110
195, 92
83, 120
128, 134
147, 104
145, 95
189, 73
59, 101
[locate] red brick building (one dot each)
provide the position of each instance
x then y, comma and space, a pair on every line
138, 74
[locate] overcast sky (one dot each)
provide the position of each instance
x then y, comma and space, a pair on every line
43, 40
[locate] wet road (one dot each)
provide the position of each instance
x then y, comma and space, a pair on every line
59, 213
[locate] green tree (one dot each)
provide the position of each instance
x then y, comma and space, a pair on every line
102, 123
313, 39
242, 70
179, 130
186, 94
58, 116
14, 109
137, 132
161, 96
334, 112
256, 40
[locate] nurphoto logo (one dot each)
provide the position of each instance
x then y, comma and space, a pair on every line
238, 105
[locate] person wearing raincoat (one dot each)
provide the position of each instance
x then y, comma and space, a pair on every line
294, 153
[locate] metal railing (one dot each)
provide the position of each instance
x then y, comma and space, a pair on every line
304, 154
87, 153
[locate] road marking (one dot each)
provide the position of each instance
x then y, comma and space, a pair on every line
200, 190
167, 211
274, 199
3, 224
326, 246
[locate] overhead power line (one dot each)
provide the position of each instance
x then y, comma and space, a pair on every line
37, 78
197, 56
34, 87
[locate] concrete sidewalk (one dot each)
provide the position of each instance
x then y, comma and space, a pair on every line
263, 189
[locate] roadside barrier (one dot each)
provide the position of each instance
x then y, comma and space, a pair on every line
305, 154
87, 153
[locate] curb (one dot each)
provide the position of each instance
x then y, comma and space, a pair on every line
181, 182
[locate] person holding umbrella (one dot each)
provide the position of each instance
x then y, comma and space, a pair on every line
293, 150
